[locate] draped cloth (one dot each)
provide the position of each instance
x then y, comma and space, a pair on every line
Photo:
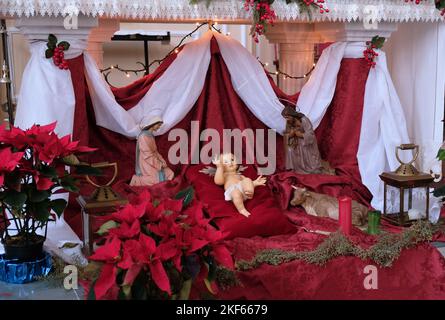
220, 106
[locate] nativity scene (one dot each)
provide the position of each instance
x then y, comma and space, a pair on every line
357, 177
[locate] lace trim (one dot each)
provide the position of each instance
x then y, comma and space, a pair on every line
340, 10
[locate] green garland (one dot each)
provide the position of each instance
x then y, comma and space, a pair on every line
384, 252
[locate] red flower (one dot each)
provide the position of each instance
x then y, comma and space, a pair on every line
9, 161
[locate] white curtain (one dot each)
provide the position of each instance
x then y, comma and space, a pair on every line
47, 95
251, 83
177, 90
383, 125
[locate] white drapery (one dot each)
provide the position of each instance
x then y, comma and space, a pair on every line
383, 125
175, 92
47, 95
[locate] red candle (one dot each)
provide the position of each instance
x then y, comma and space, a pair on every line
345, 214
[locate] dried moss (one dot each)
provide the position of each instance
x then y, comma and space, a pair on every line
384, 252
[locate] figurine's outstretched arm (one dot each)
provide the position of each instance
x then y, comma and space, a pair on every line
219, 174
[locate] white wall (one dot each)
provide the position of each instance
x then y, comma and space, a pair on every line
416, 60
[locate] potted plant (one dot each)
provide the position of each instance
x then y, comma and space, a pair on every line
156, 249
33, 167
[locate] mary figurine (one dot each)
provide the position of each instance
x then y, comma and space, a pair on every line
151, 167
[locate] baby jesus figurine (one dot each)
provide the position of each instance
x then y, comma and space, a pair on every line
238, 188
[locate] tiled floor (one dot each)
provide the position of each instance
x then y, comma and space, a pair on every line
53, 289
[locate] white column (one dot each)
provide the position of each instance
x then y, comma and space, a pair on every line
416, 59
296, 51
98, 36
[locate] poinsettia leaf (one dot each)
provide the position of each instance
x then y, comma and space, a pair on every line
439, 192
48, 171
38, 196
12, 181
64, 44
71, 160
41, 211
69, 184
52, 38
15, 199
58, 206
107, 226
91, 293
211, 265
441, 154
208, 284
87, 170
49, 53
186, 195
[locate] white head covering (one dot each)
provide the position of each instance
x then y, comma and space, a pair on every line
150, 120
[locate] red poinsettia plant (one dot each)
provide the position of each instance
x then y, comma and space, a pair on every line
156, 249
32, 168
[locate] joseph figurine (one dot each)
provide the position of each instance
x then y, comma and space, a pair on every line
300, 144
150, 167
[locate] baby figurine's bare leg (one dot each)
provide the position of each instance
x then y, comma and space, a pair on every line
238, 201
248, 187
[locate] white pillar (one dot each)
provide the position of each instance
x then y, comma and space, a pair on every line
98, 36
296, 51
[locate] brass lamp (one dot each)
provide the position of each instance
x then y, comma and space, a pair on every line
407, 168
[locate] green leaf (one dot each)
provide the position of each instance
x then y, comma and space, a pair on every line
211, 265
64, 44
71, 160
439, 192
52, 39
58, 205
38, 196
51, 45
209, 286
378, 41
106, 227
69, 184
91, 293
49, 53
15, 199
88, 170
441, 154
41, 211
187, 195
47, 171
184, 294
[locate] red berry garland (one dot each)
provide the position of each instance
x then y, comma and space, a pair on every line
369, 53
264, 15
56, 51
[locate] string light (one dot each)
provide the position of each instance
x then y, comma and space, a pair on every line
176, 49
106, 71
284, 74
